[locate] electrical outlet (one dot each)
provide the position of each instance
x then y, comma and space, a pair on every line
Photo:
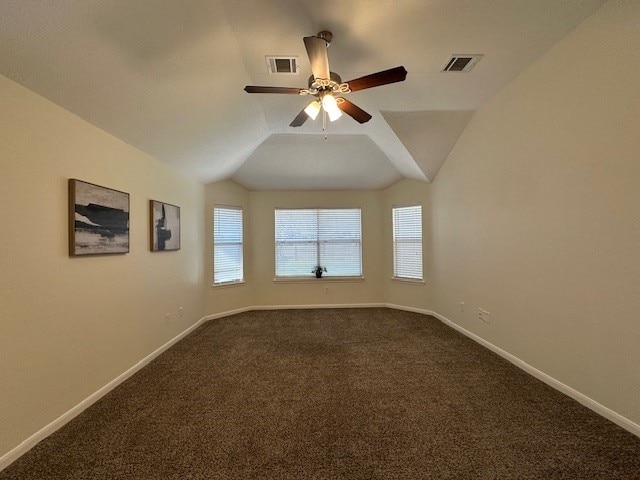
462, 306
167, 317
484, 316
180, 311
326, 289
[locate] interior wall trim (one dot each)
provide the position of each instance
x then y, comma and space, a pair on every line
581, 398
26, 445
321, 305
226, 314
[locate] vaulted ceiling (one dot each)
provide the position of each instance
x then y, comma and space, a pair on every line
167, 77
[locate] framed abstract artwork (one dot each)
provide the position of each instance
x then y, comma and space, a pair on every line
165, 226
98, 219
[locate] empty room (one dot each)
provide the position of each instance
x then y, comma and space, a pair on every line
277, 239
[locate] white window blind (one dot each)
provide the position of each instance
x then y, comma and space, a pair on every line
407, 242
227, 245
327, 237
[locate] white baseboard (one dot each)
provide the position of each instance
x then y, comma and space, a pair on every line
549, 380
410, 309
16, 452
227, 313
321, 305
13, 454
26, 445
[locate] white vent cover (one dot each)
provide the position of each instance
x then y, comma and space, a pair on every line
461, 63
279, 65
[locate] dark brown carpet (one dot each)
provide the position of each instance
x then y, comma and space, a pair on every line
332, 394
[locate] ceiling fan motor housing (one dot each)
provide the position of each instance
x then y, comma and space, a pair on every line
334, 79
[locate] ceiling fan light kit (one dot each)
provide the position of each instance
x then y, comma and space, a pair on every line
326, 85
313, 109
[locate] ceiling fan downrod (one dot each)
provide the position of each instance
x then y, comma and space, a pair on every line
326, 35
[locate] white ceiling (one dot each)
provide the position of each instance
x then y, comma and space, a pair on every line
167, 76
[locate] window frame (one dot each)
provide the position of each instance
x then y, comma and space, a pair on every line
318, 248
395, 276
228, 283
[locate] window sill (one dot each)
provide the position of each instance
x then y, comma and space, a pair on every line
409, 281
314, 279
228, 284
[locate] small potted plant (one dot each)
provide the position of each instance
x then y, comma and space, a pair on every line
318, 269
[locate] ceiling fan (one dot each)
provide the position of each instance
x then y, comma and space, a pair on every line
326, 86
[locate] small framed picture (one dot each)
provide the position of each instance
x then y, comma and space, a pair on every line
98, 219
165, 226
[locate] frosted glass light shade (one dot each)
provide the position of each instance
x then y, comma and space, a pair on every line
313, 109
330, 106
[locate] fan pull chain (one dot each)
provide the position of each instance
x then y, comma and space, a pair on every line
324, 123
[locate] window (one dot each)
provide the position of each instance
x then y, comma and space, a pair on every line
407, 242
327, 237
227, 245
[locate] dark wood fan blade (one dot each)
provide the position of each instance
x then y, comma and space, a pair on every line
299, 120
397, 74
318, 58
354, 111
254, 89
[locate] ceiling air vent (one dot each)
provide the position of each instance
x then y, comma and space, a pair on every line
461, 63
283, 65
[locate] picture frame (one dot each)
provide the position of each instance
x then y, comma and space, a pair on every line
98, 220
165, 226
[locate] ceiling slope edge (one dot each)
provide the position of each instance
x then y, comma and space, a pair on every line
313, 162
429, 136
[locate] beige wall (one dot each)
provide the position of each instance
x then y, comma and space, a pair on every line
268, 292
414, 295
223, 299
261, 290
68, 326
536, 214
377, 249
